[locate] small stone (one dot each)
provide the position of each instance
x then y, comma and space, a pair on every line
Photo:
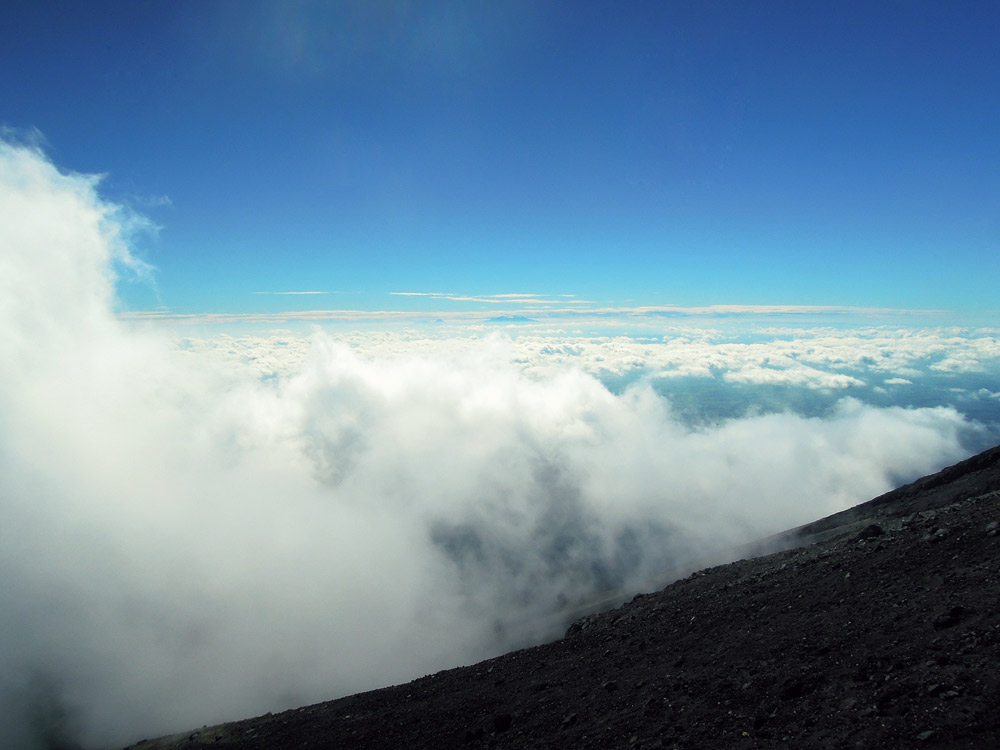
870, 531
938, 535
473, 735
950, 618
502, 722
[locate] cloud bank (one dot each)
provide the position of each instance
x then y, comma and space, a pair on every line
186, 542
815, 358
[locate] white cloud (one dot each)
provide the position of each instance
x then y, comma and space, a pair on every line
517, 298
547, 309
200, 529
291, 293
796, 375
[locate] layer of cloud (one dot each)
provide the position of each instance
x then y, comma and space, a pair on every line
191, 536
815, 358
550, 309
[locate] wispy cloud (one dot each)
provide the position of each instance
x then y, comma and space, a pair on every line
517, 298
290, 293
289, 316
546, 311
150, 201
768, 310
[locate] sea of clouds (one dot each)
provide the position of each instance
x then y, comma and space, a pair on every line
197, 528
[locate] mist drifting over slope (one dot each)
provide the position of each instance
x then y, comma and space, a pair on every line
184, 542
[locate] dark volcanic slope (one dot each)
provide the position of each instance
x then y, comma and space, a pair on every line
884, 634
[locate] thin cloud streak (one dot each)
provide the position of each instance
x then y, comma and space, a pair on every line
493, 299
283, 293
602, 315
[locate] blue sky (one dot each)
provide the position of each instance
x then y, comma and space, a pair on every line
628, 154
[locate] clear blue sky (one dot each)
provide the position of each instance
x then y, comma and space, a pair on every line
629, 153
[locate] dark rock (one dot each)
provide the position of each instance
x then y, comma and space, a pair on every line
870, 531
795, 688
474, 735
951, 618
938, 535
502, 722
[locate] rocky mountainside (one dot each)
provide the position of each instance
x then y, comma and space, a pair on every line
877, 627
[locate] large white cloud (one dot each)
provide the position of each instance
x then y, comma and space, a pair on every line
184, 541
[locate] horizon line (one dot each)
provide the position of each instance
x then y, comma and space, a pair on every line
544, 314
